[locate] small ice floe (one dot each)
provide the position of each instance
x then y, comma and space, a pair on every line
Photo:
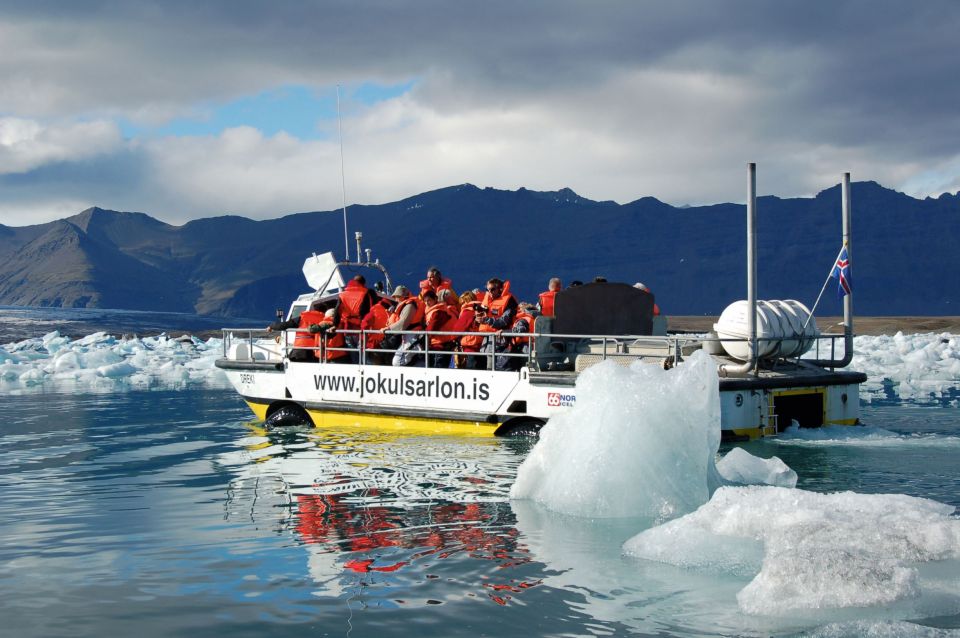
741, 467
100, 362
810, 551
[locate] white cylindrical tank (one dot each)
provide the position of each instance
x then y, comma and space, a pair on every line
780, 331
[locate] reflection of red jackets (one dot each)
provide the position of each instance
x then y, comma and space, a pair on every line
546, 302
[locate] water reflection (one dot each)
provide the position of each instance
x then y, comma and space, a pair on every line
381, 504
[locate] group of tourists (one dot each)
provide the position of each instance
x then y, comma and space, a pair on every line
393, 328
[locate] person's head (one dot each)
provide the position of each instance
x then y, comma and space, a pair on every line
400, 292
434, 276
640, 286
555, 284
360, 279
329, 313
429, 298
495, 287
467, 297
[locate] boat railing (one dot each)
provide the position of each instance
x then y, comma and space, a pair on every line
264, 345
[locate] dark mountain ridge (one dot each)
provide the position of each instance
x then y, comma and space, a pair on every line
692, 257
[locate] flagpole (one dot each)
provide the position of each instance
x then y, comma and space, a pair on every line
817, 302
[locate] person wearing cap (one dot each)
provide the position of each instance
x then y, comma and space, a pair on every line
640, 286
408, 315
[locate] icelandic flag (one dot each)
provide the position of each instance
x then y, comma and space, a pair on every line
841, 272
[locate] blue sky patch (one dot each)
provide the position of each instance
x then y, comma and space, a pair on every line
301, 111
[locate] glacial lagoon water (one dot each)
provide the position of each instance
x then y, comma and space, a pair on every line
140, 499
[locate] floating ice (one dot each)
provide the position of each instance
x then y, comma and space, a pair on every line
861, 436
739, 466
101, 362
817, 551
640, 441
917, 367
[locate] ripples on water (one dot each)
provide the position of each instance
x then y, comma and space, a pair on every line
166, 512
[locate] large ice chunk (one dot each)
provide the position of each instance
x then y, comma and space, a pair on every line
820, 551
739, 466
640, 441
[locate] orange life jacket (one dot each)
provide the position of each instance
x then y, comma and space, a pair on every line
495, 307
351, 299
426, 285
546, 303
470, 343
377, 318
304, 339
530, 321
334, 340
416, 323
446, 325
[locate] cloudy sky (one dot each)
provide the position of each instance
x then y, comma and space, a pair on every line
184, 109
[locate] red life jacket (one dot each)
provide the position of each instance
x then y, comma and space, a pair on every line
530, 321
470, 343
446, 324
334, 340
416, 323
495, 307
426, 285
546, 303
304, 339
351, 299
376, 319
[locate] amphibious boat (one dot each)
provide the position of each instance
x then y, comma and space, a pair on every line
768, 353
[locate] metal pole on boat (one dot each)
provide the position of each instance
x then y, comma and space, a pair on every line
847, 299
846, 216
750, 364
343, 185
752, 259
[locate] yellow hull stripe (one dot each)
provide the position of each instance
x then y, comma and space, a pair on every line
401, 425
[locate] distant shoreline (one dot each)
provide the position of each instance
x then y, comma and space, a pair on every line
861, 325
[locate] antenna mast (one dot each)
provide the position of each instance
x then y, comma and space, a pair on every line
343, 184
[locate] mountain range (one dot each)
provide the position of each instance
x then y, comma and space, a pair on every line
904, 251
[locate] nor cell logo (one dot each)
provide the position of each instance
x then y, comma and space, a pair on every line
560, 400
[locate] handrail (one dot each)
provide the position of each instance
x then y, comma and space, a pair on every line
611, 344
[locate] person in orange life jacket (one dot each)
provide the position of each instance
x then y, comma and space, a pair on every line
517, 345
447, 296
440, 318
545, 306
408, 315
373, 322
330, 339
640, 286
497, 312
467, 322
353, 303
303, 342
435, 282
